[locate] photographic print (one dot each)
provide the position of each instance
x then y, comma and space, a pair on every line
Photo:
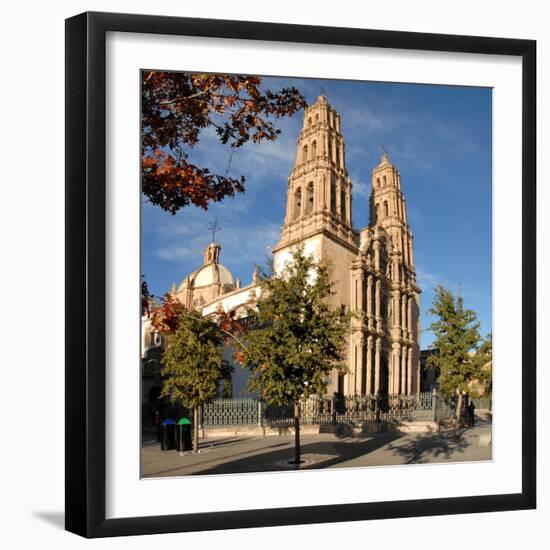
316, 263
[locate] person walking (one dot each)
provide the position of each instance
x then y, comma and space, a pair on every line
472, 413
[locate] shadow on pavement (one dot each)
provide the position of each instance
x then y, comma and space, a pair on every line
424, 448
338, 451
174, 470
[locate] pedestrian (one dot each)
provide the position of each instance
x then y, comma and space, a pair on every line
472, 413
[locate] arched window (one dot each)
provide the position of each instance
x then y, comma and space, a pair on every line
304, 156
386, 210
314, 150
377, 182
309, 121
309, 197
385, 181
333, 191
317, 117
297, 203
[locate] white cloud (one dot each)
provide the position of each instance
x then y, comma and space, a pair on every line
361, 189
428, 280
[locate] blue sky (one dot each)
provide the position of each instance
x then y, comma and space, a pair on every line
440, 139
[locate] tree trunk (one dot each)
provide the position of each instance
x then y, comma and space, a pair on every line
195, 429
297, 450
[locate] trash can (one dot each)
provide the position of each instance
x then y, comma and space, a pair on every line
167, 435
183, 435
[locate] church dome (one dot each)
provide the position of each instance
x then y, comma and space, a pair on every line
212, 274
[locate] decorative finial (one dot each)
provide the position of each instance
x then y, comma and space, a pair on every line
385, 157
214, 227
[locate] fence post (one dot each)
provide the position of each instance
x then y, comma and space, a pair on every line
377, 408
333, 408
260, 413
201, 411
434, 404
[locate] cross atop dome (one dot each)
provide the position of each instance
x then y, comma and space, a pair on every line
214, 227
385, 159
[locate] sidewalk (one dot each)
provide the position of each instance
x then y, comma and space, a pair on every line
264, 454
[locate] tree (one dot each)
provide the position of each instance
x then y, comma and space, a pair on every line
193, 364
178, 106
484, 363
456, 339
298, 338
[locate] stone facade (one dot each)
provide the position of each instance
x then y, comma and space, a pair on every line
373, 268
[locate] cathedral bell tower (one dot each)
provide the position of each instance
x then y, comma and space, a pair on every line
372, 269
388, 210
386, 340
318, 206
319, 187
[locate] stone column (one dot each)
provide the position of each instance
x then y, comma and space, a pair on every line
409, 371
396, 308
411, 256
360, 365
409, 317
404, 372
377, 350
369, 385
360, 285
369, 298
289, 204
338, 198
377, 300
404, 326
396, 359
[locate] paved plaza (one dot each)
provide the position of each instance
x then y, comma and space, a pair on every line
233, 455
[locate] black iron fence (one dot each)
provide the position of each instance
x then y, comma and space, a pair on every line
334, 409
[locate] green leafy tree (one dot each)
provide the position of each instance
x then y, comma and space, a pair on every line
299, 338
484, 363
456, 338
193, 364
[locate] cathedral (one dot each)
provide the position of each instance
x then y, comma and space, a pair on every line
373, 267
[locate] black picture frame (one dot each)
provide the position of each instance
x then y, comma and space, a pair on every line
86, 279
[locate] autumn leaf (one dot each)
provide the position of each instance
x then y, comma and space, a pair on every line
177, 107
